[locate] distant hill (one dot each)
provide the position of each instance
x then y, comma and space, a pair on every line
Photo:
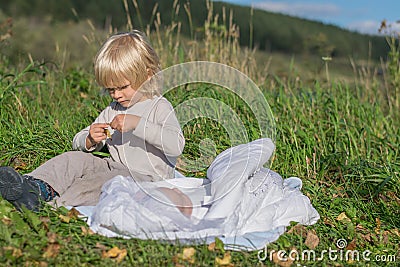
270, 31
273, 31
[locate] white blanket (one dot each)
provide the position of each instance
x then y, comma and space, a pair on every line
240, 202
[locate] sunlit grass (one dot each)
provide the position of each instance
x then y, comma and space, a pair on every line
344, 149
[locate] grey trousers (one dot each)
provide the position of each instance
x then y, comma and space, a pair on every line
78, 176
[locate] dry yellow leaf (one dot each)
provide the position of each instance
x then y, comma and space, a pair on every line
188, 254
378, 226
312, 240
52, 237
36, 263
385, 237
51, 251
211, 246
360, 228
298, 229
7, 221
115, 253
112, 253
45, 222
352, 245
367, 237
286, 262
86, 231
101, 246
328, 222
225, 261
18, 164
64, 218
343, 217
122, 255
395, 231
16, 252
73, 213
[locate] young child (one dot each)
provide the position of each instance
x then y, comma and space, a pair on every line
139, 128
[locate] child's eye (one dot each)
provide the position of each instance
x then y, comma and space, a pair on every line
113, 89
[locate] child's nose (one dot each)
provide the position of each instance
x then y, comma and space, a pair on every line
117, 94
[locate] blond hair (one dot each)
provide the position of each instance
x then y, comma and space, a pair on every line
126, 56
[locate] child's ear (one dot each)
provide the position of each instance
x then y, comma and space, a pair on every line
149, 73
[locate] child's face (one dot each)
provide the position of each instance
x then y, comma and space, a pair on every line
125, 95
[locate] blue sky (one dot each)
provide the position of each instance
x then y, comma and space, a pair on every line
361, 15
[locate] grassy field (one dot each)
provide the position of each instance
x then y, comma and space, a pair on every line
340, 137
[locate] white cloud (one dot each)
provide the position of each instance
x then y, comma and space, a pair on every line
366, 26
372, 26
300, 9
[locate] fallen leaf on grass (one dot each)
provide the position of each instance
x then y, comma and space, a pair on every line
395, 231
350, 260
18, 164
64, 218
51, 251
283, 262
378, 226
7, 221
45, 222
52, 237
343, 217
115, 253
393, 195
86, 231
328, 222
352, 245
211, 246
217, 245
367, 237
312, 240
385, 236
16, 252
225, 261
72, 214
179, 163
101, 246
298, 229
186, 255
35, 263
360, 228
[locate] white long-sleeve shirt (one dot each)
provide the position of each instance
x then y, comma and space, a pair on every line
150, 151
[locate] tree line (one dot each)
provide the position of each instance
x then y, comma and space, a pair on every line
258, 28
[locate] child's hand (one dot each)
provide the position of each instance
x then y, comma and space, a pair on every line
125, 122
96, 134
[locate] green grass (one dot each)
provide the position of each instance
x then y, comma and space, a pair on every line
342, 141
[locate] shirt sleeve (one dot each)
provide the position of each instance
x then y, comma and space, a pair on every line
164, 132
79, 141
